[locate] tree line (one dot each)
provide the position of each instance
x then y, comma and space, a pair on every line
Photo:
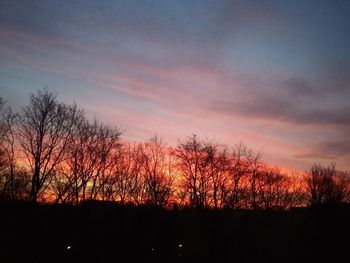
51, 152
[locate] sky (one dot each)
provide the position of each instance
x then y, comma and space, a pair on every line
272, 74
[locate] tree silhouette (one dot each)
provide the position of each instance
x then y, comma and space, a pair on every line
13, 180
45, 132
274, 189
69, 159
158, 172
214, 166
326, 185
128, 168
236, 189
85, 173
190, 164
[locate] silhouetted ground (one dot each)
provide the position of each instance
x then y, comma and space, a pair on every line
107, 232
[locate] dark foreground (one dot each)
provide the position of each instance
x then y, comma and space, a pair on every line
106, 232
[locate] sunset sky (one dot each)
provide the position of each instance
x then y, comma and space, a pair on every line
273, 74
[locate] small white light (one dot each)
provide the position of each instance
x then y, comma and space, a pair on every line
152, 249
69, 247
180, 245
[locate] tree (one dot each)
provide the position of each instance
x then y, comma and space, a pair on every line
158, 172
46, 128
254, 164
4, 161
274, 189
3, 132
215, 166
106, 141
85, 174
236, 188
125, 173
189, 160
70, 183
13, 180
7, 149
326, 185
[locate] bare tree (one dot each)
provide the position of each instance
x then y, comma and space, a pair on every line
327, 185
120, 170
71, 181
72, 160
85, 173
3, 132
189, 160
136, 170
108, 145
2, 127
4, 160
126, 174
158, 172
106, 142
7, 147
235, 191
274, 189
216, 166
45, 131
13, 180
254, 165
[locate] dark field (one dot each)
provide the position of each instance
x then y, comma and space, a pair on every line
107, 232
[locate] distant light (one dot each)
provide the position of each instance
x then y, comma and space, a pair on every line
180, 245
152, 249
69, 247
